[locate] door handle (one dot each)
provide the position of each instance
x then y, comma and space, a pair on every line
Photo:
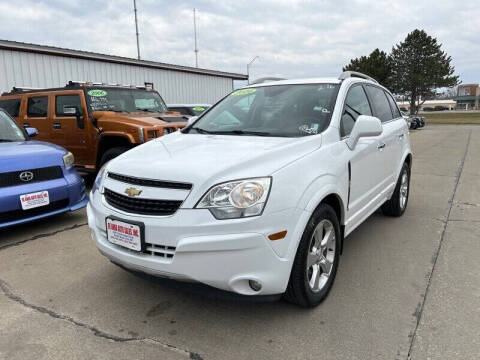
381, 146
401, 136
57, 125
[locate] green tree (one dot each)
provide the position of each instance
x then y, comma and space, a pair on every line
377, 65
419, 66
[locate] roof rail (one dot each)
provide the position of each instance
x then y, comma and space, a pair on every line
265, 79
19, 89
348, 74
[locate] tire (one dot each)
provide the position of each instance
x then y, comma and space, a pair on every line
112, 154
397, 204
301, 288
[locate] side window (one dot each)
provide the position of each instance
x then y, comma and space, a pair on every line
37, 106
62, 101
380, 103
356, 104
11, 106
393, 105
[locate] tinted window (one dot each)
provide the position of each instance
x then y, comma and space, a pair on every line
393, 105
67, 101
380, 103
37, 106
356, 104
11, 106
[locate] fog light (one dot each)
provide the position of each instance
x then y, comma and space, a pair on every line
255, 285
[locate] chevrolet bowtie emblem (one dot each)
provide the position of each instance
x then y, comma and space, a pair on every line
132, 192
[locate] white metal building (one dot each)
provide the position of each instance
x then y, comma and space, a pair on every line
30, 65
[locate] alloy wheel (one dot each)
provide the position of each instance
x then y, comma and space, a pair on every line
321, 255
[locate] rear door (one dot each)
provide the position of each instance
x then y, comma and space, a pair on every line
400, 129
38, 115
74, 133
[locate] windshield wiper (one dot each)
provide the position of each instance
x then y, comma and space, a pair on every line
202, 131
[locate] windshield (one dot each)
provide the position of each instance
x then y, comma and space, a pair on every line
9, 131
280, 110
124, 100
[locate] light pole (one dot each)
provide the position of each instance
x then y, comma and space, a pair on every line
248, 68
136, 28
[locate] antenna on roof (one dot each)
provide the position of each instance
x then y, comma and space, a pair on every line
195, 34
136, 27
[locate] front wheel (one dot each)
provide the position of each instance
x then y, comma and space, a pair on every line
316, 261
397, 204
112, 153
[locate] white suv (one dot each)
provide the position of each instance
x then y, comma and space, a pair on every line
257, 195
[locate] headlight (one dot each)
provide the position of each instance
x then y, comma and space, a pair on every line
99, 179
237, 199
68, 159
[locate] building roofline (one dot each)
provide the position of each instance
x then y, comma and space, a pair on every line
87, 55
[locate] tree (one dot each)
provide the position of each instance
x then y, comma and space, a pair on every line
377, 65
419, 66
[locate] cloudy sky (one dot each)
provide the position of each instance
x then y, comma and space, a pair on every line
292, 38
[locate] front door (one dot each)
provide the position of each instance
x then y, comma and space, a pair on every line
365, 160
74, 132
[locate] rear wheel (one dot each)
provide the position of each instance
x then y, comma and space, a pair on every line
398, 202
316, 261
112, 154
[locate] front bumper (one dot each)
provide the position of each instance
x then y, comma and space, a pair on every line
68, 192
225, 254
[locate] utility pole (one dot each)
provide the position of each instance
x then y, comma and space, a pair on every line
136, 27
248, 68
195, 32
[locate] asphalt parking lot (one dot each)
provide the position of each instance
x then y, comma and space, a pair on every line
406, 287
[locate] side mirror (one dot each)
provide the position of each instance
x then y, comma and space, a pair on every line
191, 120
74, 111
364, 126
31, 132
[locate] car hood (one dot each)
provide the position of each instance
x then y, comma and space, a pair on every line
29, 155
147, 120
210, 159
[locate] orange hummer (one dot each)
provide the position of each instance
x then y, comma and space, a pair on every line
96, 122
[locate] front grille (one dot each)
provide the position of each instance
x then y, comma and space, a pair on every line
166, 252
150, 182
40, 174
23, 214
141, 206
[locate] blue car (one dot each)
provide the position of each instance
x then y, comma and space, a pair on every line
37, 179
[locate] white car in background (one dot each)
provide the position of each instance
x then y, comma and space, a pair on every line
257, 195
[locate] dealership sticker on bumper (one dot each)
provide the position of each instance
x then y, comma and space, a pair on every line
34, 200
124, 234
